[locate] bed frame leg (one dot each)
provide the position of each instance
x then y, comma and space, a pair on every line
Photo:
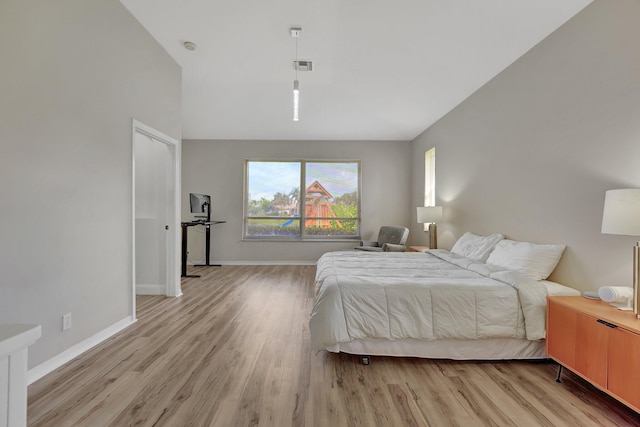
559, 374
365, 360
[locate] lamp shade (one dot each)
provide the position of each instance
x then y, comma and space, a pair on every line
429, 214
621, 213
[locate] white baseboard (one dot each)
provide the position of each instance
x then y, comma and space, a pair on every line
55, 362
267, 262
151, 290
255, 263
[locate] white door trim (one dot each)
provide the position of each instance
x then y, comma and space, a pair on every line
173, 248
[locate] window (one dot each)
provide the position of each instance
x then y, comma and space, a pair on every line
327, 207
429, 180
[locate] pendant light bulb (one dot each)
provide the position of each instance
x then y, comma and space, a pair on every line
295, 33
296, 99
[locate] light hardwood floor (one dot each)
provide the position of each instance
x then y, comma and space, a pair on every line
234, 350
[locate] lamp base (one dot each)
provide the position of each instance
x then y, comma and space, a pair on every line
433, 236
636, 279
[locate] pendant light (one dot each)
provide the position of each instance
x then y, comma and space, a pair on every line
296, 32
296, 98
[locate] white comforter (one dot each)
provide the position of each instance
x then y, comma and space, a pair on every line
427, 296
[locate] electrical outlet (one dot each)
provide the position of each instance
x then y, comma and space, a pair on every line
66, 321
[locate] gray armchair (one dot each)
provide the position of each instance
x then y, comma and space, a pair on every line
390, 239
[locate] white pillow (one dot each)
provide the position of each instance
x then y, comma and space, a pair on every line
531, 259
476, 247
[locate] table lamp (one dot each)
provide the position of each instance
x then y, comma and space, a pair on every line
621, 215
430, 215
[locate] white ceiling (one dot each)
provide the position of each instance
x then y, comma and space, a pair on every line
383, 70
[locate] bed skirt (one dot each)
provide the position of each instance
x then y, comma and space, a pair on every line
481, 349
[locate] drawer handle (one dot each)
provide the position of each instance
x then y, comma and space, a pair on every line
611, 325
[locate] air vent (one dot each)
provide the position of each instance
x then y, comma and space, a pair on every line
303, 65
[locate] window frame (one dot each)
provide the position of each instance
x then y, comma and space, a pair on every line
302, 218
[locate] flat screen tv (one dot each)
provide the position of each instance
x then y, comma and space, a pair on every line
200, 204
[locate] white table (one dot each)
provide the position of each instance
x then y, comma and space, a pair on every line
14, 342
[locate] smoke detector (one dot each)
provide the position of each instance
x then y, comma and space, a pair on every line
189, 45
303, 65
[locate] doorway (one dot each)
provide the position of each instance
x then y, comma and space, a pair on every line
155, 213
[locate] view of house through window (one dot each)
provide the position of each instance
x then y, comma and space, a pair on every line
328, 206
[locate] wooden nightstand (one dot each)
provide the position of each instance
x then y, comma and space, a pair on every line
597, 342
418, 248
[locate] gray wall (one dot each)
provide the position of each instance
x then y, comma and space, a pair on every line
74, 73
217, 168
532, 153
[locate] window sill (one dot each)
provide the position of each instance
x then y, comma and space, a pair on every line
296, 240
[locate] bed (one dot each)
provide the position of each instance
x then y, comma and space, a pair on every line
484, 299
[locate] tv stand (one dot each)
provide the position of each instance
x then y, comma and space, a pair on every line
207, 224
